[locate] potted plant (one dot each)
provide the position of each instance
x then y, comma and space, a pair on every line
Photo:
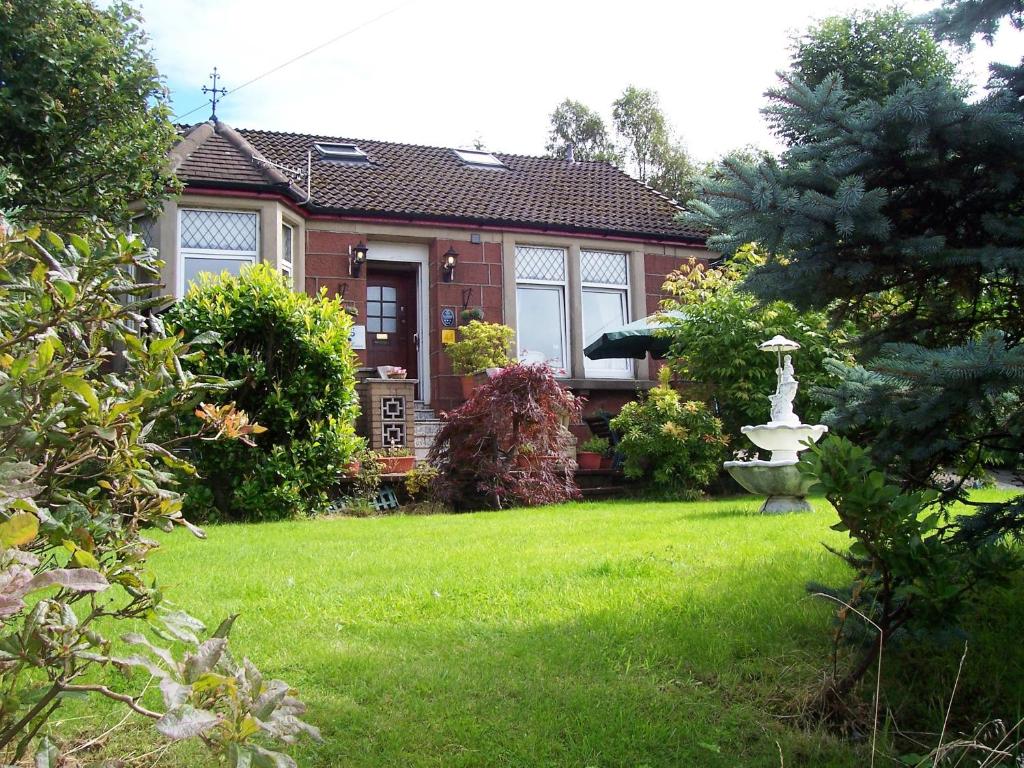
591, 451
391, 372
395, 460
480, 346
471, 313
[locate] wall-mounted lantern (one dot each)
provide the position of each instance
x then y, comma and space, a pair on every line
451, 258
356, 258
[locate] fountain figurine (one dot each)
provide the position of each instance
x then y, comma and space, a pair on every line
784, 435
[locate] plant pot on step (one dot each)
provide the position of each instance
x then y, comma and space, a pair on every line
396, 465
588, 460
470, 382
606, 462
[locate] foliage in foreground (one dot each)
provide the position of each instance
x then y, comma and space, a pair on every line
507, 444
909, 570
82, 474
292, 370
677, 446
715, 336
84, 124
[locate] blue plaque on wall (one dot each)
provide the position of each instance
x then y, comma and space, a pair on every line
448, 317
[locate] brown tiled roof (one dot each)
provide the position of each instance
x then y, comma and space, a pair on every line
417, 182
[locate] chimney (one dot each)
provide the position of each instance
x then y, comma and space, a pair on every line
569, 155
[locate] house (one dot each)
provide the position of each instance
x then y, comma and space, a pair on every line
408, 236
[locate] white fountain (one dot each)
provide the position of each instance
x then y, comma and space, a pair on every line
778, 478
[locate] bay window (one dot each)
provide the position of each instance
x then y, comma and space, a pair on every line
287, 246
216, 241
604, 278
540, 307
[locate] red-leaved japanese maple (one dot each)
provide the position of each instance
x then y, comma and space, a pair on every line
506, 446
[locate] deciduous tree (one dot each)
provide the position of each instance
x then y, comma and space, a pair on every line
84, 121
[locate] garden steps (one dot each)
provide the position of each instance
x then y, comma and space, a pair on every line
427, 425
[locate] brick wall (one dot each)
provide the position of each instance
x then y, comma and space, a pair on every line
327, 267
477, 283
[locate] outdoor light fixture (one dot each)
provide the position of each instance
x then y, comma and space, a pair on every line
356, 258
451, 258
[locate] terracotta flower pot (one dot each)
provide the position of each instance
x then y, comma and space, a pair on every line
606, 462
353, 468
396, 465
588, 460
470, 382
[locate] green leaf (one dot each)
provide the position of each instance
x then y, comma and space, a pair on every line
19, 529
83, 389
47, 755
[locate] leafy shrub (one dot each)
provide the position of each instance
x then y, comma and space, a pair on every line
505, 445
715, 342
292, 369
480, 346
676, 446
910, 570
82, 474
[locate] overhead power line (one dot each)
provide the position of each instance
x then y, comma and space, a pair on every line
303, 55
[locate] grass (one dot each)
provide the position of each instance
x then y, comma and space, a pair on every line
590, 634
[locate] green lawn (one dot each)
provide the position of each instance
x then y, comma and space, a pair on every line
591, 634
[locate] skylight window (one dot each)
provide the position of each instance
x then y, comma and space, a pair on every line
348, 152
479, 159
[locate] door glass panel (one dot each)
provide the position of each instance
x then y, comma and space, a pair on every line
373, 324
373, 293
373, 308
389, 310
388, 294
389, 325
541, 321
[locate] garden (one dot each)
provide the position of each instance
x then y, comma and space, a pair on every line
192, 569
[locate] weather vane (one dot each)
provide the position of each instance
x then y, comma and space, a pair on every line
218, 93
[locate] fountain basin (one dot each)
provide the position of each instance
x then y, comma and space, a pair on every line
779, 480
784, 440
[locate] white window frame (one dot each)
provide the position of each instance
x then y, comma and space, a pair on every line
287, 266
623, 290
563, 288
251, 257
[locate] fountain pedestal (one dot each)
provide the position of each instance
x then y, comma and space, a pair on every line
785, 437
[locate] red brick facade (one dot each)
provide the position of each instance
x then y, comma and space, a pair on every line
478, 283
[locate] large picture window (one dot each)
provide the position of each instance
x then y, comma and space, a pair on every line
605, 303
540, 307
216, 241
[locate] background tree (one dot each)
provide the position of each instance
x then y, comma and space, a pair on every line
655, 157
84, 121
641, 124
575, 123
875, 51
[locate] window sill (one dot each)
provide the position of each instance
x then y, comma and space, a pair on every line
608, 384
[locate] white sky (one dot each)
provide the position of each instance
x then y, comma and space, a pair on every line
446, 72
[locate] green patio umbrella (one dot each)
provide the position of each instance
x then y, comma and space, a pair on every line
634, 339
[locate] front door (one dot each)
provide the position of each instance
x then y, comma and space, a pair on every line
391, 318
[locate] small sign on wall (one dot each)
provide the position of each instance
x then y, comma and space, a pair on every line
447, 336
357, 337
448, 317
